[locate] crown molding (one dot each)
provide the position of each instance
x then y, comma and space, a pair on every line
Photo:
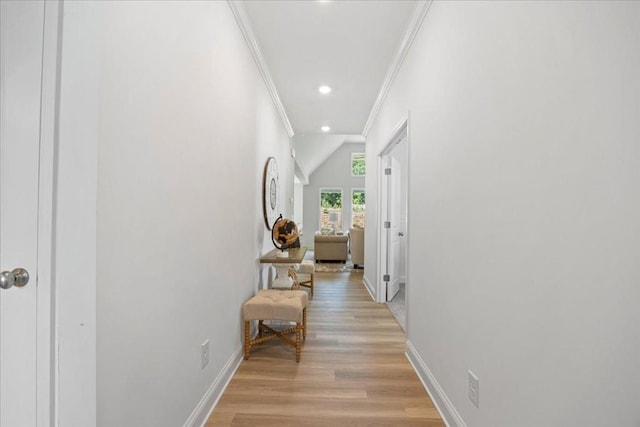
237, 8
415, 22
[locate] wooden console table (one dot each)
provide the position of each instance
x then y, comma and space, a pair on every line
282, 265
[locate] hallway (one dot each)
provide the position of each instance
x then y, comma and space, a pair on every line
353, 369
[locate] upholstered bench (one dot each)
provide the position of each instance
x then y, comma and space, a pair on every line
271, 304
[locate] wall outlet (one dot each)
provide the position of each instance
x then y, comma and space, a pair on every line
204, 354
474, 389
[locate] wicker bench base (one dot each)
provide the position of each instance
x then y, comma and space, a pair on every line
290, 306
267, 333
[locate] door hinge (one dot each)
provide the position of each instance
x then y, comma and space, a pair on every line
387, 171
387, 224
386, 278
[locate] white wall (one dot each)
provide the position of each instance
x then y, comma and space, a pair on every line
298, 202
524, 208
335, 172
270, 139
182, 124
75, 216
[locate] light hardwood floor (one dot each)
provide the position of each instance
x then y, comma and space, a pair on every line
353, 371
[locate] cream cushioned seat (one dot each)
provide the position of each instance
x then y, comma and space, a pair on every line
272, 304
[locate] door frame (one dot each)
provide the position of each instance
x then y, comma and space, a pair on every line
47, 325
396, 136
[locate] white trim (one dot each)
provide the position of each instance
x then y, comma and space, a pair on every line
203, 411
381, 291
237, 7
440, 399
369, 287
407, 287
396, 135
46, 359
415, 22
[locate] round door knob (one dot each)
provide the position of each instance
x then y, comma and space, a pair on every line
17, 277
7, 280
21, 276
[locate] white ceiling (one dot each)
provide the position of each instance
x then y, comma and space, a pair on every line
348, 45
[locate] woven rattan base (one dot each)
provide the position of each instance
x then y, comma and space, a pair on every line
267, 333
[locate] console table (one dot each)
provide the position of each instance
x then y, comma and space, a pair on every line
282, 265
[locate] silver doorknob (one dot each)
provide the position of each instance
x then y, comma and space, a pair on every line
17, 277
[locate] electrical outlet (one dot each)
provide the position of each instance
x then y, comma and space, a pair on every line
204, 354
474, 389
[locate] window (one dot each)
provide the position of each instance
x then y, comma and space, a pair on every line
358, 164
357, 208
331, 208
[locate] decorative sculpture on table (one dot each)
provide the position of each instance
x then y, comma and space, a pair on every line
284, 234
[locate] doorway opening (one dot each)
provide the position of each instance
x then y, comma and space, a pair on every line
392, 283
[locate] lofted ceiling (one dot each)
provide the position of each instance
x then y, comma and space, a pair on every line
353, 46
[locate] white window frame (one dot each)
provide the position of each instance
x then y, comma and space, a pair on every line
330, 189
353, 155
354, 189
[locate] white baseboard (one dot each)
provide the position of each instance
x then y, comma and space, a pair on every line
369, 287
440, 399
201, 413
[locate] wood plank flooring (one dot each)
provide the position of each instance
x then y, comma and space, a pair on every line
353, 371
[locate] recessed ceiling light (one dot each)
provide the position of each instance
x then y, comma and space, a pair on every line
325, 128
324, 89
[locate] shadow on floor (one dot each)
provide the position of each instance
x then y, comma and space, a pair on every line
398, 307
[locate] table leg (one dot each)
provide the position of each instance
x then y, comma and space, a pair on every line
282, 279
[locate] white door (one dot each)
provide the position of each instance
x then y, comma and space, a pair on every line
21, 48
393, 232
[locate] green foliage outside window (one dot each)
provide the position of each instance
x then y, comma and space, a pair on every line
358, 164
358, 199
357, 208
331, 199
330, 202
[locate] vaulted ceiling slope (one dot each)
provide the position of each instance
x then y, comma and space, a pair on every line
347, 45
312, 150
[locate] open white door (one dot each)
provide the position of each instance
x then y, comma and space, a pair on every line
21, 49
392, 215
394, 228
